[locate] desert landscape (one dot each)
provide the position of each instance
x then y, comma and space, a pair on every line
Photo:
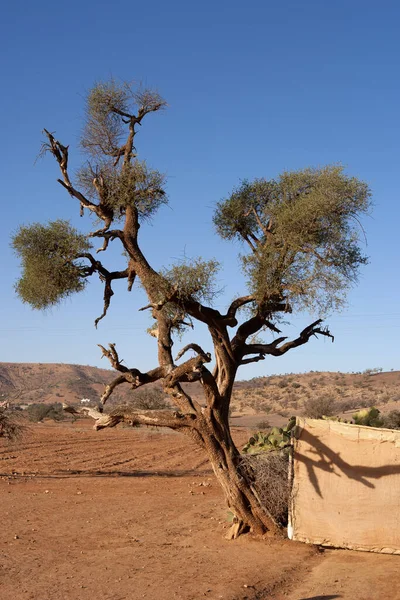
137, 513
202, 199
259, 399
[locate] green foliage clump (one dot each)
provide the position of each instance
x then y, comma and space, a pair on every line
276, 439
236, 217
372, 417
103, 127
303, 230
193, 279
107, 103
133, 184
190, 280
116, 181
50, 271
369, 417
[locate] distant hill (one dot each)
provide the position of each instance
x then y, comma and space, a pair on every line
24, 383
42, 382
288, 394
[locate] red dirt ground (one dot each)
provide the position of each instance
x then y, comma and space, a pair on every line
127, 514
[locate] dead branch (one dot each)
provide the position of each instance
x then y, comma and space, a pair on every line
113, 357
110, 387
159, 305
131, 275
107, 277
133, 376
311, 330
250, 327
108, 294
230, 317
205, 355
152, 418
275, 350
60, 153
108, 236
196, 370
247, 361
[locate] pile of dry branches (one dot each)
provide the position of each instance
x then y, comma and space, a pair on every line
268, 474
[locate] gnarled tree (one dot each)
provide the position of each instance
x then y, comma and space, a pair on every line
300, 235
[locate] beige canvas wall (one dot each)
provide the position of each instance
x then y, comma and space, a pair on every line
346, 486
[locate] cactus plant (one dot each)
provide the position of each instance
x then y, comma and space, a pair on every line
276, 439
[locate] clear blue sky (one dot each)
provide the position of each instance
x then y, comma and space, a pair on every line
253, 88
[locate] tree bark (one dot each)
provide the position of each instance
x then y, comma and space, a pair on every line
238, 490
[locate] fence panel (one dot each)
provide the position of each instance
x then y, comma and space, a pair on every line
346, 486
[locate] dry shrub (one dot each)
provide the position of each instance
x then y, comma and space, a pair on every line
149, 399
37, 412
320, 406
264, 424
392, 420
268, 475
10, 426
350, 404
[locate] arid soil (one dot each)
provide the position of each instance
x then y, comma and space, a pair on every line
126, 514
347, 576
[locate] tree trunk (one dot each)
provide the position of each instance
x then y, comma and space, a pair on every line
239, 492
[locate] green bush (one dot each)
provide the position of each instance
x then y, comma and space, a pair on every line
369, 417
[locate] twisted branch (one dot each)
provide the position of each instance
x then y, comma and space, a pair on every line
60, 153
205, 355
275, 350
133, 376
110, 387
107, 277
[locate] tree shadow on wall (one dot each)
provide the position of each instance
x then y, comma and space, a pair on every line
331, 462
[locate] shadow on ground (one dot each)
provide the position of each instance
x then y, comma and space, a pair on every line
100, 473
324, 597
